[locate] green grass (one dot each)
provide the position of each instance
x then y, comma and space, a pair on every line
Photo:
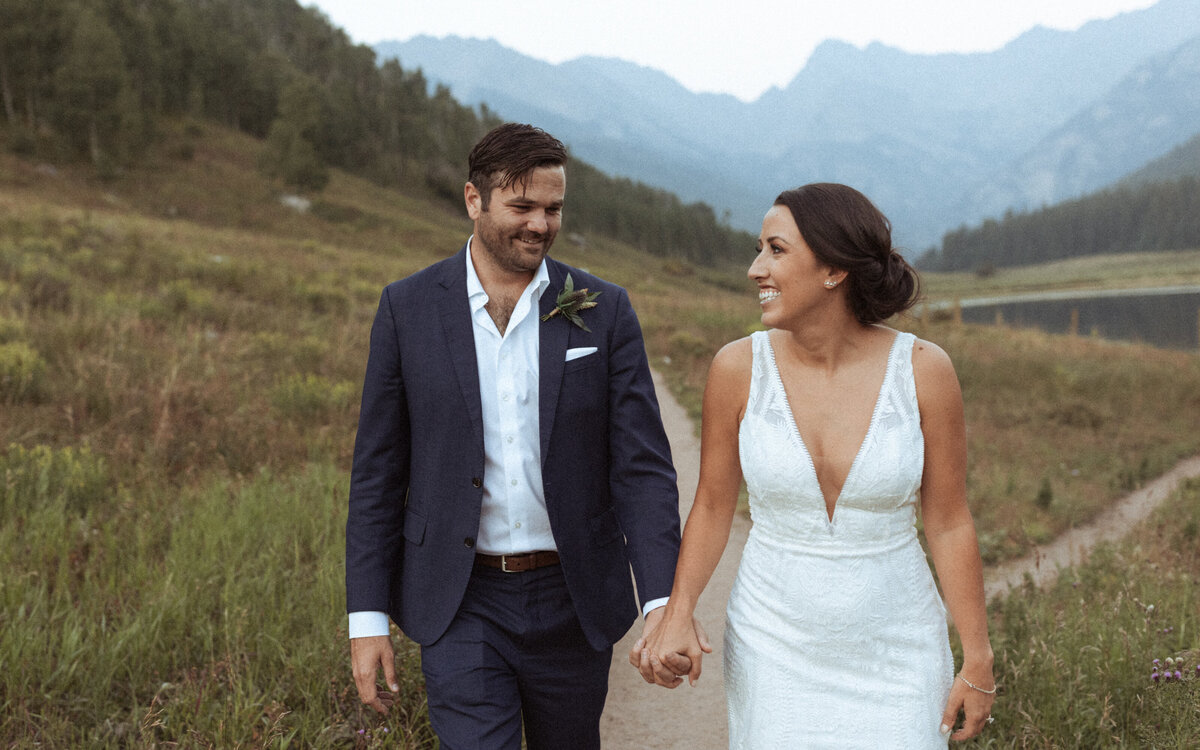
1074, 663
180, 359
207, 618
1129, 271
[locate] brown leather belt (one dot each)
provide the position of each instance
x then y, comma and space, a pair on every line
518, 563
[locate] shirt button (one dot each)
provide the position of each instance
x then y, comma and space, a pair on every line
514, 483
509, 438
517, 525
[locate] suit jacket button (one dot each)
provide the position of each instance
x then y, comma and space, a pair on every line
476, 482
469, 542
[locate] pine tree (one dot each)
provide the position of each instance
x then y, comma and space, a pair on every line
92, 91
291, 153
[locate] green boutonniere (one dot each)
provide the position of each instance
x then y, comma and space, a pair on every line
570, 303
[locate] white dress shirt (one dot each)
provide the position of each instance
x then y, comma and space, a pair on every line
513, 518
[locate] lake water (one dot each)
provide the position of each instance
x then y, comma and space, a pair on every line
1168, 317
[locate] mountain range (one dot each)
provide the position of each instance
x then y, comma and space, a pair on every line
937, 141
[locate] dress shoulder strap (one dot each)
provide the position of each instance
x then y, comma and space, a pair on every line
900, 363
760, 368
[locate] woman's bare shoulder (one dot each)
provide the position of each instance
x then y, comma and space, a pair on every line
735, 357
931, 357
934, 373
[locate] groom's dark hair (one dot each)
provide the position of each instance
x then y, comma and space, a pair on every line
508, 154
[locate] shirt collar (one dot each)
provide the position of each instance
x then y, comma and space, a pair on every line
476, 295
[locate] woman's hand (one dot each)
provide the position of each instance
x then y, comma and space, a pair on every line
969, 696
670, 646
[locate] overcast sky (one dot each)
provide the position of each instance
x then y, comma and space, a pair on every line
741, 47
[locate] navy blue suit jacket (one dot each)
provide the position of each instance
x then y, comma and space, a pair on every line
415, 490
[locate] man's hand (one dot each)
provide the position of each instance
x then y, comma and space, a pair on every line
669, 671
366, 656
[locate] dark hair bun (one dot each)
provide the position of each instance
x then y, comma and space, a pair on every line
847, 232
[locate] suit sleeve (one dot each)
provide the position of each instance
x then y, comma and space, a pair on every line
641, 475
379, 477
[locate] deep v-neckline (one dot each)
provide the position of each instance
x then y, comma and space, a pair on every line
831, 513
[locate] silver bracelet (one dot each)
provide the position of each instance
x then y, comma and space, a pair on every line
973, 686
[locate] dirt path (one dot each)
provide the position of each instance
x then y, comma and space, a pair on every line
1072, 547
638, 715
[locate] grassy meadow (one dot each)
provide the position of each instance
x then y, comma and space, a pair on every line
180, 364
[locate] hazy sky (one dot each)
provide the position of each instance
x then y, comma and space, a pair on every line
741, 47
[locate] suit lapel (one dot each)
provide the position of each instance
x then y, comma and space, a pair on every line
552, 352
459, 333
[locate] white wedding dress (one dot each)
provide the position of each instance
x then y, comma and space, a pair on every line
835, 634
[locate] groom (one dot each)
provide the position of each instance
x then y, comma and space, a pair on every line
510, 467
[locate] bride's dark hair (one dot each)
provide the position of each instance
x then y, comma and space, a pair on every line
847, 232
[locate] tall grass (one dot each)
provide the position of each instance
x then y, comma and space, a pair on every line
1076, 663
180, 359
206, 616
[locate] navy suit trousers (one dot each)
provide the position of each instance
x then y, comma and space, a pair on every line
515, 656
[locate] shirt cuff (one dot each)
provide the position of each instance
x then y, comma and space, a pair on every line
654, 604
368, 624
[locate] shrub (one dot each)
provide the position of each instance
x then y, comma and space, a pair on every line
47, 290
180, 300
310, 397
685, 344
42, 476
11, 329
22, 373
1045, 495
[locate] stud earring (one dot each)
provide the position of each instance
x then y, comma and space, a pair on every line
830, 283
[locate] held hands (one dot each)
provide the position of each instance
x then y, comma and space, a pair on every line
366, 656
669, 649
970, 695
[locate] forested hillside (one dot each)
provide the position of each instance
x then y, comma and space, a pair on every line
96, 80
1181, 161
1130, 218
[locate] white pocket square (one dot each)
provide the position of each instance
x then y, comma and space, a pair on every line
582, 351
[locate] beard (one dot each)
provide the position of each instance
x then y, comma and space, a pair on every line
513, 250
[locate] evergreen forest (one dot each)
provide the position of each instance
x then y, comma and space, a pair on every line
1127, 218
95, 81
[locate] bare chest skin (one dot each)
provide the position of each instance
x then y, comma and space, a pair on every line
500, 307
833, 408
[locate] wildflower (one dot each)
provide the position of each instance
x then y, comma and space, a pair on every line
1153, 675
1178, 675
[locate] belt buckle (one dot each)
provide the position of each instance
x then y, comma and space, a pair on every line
504, 564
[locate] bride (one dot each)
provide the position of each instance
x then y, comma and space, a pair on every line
836, 634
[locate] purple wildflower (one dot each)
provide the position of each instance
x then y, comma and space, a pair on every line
1178, 675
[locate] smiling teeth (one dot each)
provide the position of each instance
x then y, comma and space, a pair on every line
766, 295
